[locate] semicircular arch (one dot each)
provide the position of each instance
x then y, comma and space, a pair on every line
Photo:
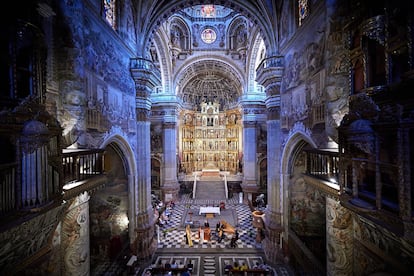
257, 14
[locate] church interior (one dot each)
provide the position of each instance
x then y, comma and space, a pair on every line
271, 132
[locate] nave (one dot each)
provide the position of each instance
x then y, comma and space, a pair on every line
209, 257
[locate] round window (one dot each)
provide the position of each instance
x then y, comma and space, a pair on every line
208, 35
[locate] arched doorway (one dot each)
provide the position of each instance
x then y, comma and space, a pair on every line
109, 239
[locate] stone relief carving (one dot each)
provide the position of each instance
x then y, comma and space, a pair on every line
339, 237
24, 241
75, 236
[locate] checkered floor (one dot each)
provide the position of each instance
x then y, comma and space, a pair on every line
172, 234
208, 257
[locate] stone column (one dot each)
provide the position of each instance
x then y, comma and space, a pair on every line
269, 75
170, 186
249, 184
339, 239
144, 74
275, 197
75, 237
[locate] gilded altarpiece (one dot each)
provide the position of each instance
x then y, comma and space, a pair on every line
210, 139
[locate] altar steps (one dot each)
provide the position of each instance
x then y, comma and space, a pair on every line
212, 190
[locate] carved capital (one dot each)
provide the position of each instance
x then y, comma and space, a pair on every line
169, 125
142, 114
249, 123
145, 74
269, 74
273, 113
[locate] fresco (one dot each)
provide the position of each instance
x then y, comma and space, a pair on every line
109, 222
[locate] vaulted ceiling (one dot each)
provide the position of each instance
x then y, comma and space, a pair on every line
210, 81
214, 68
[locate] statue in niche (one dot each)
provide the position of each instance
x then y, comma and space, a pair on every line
175, 37
241, 37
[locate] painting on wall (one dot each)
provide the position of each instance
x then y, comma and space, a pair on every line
109, 222
307, 210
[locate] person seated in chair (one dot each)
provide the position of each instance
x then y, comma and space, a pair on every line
244, 267
185, 273
227, 268
190, 266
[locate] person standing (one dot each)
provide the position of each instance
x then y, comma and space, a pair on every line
220, 235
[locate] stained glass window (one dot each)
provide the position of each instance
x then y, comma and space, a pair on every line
208, 35
110, 12
303, 10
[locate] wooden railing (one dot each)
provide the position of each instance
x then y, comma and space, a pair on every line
80, 165
322, 164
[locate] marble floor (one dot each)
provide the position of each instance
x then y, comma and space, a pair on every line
209, 257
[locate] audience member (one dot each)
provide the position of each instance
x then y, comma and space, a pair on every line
244, 267
227, 267
190, 266
264, 266
185, 273
167, 265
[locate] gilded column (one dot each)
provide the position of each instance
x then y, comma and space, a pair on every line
339, 239
146, 78
269, 74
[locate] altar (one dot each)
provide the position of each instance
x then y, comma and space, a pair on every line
210, 172
209, 211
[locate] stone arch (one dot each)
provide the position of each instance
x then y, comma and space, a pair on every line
213, 73
165, 64
251, 12
180, 34
237, 33
124, 150
293, 147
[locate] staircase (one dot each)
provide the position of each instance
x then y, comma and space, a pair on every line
210, 187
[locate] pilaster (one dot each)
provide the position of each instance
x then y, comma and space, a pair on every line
146, 77
269, 74
170, 186
249, 184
